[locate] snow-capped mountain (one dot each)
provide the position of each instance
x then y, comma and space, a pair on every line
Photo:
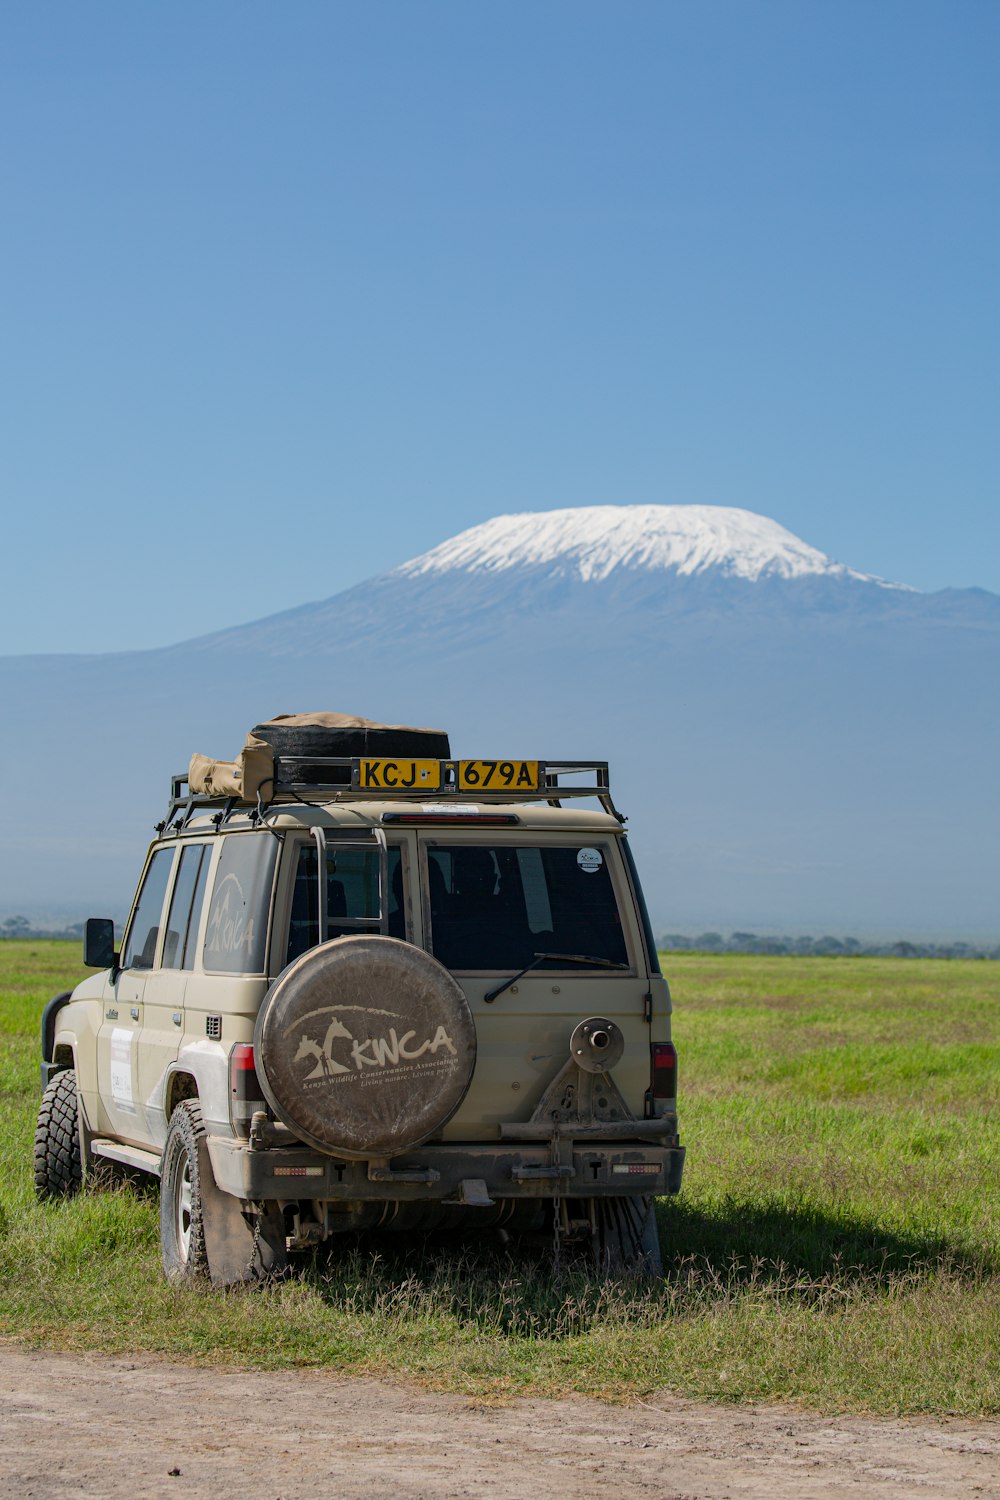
591, 542
576, 569
797, 742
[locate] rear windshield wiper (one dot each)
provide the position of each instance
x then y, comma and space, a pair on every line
540, 958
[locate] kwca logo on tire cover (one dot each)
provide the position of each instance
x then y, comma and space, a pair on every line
329, 1050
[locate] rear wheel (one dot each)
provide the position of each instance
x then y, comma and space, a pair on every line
626, 1237
58, 1158
182, 1223
204, 1232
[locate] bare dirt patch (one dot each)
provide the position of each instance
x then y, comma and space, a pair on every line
109, 1428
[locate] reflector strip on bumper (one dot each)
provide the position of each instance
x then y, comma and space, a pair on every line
298, 1171
635, 1168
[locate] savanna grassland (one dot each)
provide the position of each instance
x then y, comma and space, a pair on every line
837, 1242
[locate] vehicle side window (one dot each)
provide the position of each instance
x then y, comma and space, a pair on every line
236, 936
140, 949
185, 907
351, 892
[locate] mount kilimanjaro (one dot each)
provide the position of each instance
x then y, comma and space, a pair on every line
797, 743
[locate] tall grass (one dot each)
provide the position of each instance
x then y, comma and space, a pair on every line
835, 1244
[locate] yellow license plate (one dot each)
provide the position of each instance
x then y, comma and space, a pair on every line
498, 776
397, 775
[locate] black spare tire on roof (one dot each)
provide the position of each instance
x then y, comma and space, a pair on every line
365, 1046
328, 734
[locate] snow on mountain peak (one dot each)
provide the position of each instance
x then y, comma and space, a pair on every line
590, 542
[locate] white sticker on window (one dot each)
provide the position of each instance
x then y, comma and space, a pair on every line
121, 1067
589, 860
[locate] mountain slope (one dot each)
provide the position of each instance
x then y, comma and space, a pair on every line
579, 569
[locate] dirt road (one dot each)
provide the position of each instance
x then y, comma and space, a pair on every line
86, 1425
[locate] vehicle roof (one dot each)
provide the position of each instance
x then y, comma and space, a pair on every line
344, 813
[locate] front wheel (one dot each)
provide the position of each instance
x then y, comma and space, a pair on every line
182, 1221
58, 1157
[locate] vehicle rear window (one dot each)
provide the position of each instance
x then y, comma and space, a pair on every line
351, 892
496, 906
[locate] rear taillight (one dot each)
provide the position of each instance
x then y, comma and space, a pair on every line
663, 1081
245, 1093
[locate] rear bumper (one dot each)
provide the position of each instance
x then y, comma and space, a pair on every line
452, 1173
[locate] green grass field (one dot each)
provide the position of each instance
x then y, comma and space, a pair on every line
837, 1242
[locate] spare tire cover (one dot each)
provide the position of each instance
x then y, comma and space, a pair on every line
365, 1046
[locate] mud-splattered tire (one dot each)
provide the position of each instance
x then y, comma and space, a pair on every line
182, 1224
58, 1159
204, 1233
627, 1238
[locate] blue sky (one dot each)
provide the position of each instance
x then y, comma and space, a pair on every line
292, 293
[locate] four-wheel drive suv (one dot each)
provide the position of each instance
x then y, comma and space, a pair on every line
364, 985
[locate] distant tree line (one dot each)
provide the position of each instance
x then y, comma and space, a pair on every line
704, 942
21, 927
825, 947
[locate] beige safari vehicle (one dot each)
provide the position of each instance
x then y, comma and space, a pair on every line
366, 986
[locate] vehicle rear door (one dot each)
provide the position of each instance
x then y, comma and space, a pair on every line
492, 903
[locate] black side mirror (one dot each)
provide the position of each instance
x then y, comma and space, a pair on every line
99, 944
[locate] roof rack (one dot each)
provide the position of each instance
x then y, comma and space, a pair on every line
312, 778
